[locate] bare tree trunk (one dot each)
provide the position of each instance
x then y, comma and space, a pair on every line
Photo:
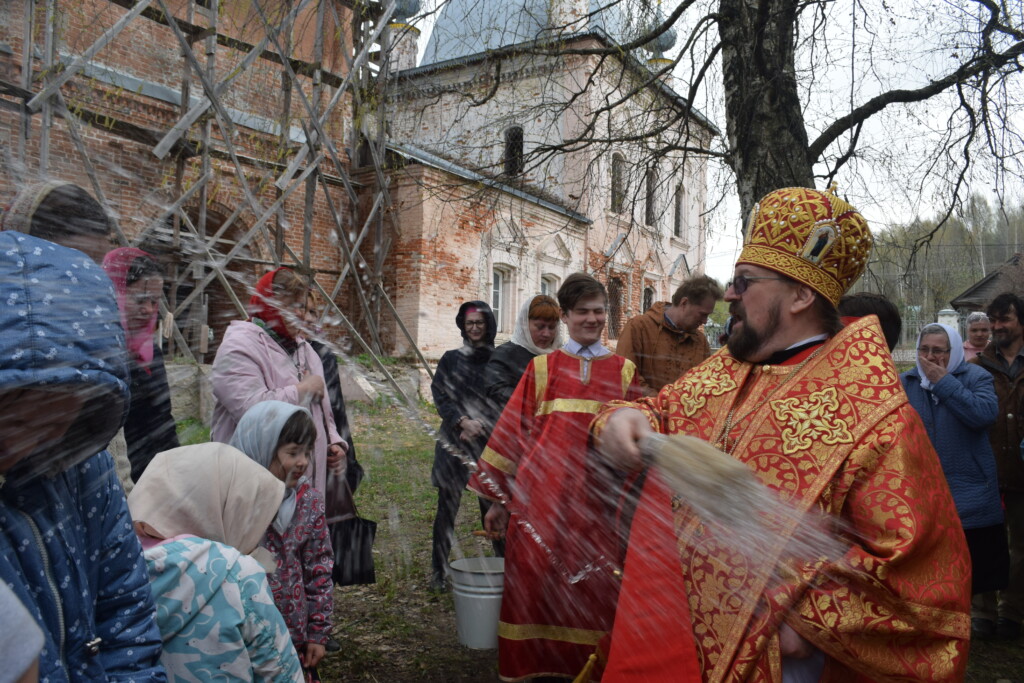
765, 123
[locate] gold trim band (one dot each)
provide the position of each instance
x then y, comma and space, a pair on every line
569, 405
498, 461
577, 636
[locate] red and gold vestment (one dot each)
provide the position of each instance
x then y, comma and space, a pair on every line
559, 593
829, 430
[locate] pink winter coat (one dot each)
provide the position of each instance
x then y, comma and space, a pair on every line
251, 367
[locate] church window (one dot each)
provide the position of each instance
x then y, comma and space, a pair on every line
651, 197
615, 295
549, 285
680, 208
648, 298
618, 182
514, 152
501, 285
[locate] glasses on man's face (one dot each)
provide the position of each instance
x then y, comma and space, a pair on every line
740, 283
932, 351
475, 323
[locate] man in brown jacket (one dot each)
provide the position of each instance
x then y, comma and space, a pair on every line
665, 341
1004, 358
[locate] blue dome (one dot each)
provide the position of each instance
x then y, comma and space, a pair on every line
469, 27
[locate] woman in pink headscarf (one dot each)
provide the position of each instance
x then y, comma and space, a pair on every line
138, 283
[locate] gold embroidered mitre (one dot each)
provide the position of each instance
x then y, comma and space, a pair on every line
811, 236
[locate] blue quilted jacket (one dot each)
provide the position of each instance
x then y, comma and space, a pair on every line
67, 549
957, 413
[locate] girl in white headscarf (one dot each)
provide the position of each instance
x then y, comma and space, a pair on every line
199, 512
280, 437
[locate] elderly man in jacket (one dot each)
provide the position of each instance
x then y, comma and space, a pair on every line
666, 341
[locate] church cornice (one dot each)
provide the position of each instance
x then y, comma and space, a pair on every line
537, 47
410, 91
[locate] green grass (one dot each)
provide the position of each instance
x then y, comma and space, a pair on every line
396, 630
191, 431
366, 361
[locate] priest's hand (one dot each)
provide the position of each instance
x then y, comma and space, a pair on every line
792, 644
496, 521
619, 441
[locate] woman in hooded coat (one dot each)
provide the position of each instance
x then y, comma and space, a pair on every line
149, 428
200, 512
466, 419
266, 358
67, 550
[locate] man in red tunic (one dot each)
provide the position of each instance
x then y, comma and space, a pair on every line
560, 550
817, 413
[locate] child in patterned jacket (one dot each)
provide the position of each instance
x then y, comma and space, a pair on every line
280, 436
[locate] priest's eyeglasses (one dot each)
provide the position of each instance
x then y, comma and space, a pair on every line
740, 283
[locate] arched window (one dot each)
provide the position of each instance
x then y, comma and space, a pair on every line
501, 287
549, 285
618, 182
680, 208
648, 298
514, 152
615, 295
651, 197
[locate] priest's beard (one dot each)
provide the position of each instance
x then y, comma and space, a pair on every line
747, 341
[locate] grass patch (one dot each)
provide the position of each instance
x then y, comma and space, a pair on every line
191, 431
366, 360
396, 630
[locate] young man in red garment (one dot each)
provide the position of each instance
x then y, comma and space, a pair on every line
559, 590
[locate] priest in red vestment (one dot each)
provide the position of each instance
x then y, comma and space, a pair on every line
560, 551
817, 413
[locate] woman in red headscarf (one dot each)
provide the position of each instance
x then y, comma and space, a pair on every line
266, 358
149, 427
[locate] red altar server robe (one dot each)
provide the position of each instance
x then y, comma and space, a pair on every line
561, 548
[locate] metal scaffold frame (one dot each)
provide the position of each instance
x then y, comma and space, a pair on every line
309, 95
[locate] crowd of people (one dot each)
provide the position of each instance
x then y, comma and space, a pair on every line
124, 556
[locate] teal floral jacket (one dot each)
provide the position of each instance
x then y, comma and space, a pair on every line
217, 616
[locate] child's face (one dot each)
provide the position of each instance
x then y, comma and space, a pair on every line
290, 462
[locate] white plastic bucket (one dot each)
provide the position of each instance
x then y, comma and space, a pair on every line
477, 583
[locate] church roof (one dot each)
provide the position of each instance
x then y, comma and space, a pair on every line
470, 27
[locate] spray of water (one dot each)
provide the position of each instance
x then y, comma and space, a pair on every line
765, 533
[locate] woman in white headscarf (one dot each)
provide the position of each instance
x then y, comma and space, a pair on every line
200, 512
537, 332
957, 403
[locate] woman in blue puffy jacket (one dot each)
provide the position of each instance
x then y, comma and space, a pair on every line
957, 403
67, 548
